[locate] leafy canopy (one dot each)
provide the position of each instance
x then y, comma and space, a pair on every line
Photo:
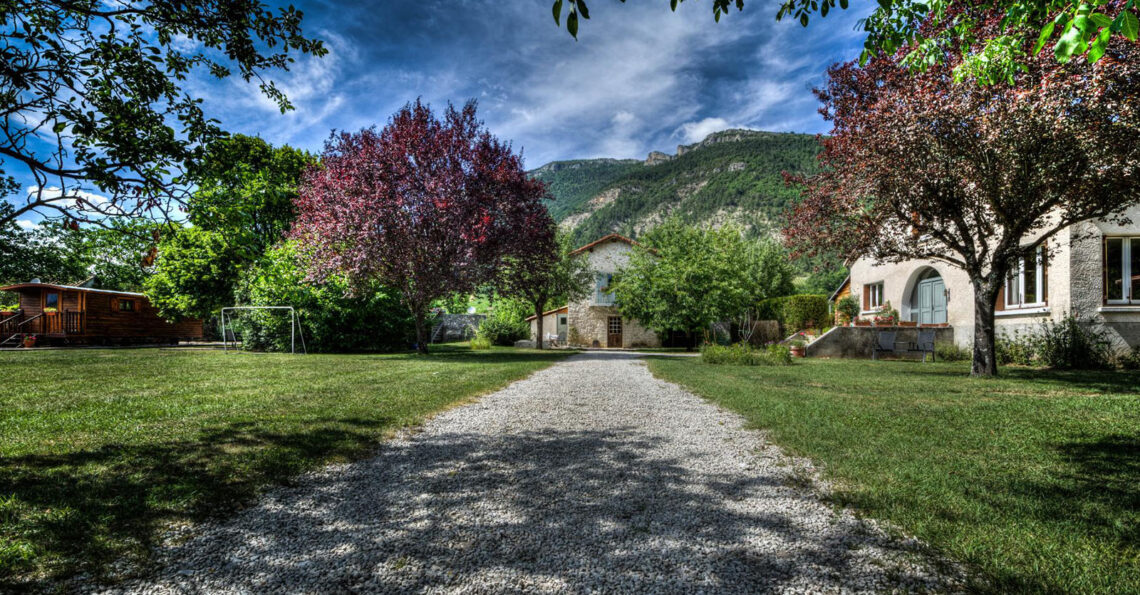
92, 96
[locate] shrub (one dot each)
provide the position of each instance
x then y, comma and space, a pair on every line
951, 352
740, 354
1128, 359
1017, 348
480, 342
506, 324
1072, 345
331, 320
795, 312
848, 308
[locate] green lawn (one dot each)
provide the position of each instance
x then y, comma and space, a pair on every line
1032, 479
101, 450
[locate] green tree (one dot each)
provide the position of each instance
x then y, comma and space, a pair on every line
195, 273
94, 96
684, 278
551, 275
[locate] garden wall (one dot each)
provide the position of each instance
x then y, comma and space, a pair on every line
857, 341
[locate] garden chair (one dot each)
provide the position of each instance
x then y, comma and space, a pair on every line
552, 340
925, 344
885, 343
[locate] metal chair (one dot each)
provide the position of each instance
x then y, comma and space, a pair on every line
885, 343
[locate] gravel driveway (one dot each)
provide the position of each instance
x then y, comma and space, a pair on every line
590, 476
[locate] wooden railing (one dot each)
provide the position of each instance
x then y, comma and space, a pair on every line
74, 323
8, 324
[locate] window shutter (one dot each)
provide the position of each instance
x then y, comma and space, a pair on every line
1045, 272
1000, 305
1103, 270
866, 297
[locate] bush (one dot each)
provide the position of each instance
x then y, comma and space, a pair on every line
1073, 345
506, 324
848, 308
1017, 348
480, 343
740, 354
795, 312
951, 352
331, 321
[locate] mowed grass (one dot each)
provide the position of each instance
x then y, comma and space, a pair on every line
101, 451
1032, 479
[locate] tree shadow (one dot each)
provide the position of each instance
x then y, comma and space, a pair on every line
99, 512
538, 510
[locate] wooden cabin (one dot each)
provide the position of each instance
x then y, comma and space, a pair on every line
66, 314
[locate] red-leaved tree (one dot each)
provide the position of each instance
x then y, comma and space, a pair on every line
918, 167
426, 206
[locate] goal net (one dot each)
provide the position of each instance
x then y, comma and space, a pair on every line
262, 328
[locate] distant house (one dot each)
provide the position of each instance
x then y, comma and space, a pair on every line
1090, 270
80, 314
595, 320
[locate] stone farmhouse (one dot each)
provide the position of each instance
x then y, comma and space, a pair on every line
1090, 270
595, 320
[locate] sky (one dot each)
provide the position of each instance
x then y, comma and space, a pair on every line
639, 78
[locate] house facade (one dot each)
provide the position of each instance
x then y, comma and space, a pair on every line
1090, 270
595, 321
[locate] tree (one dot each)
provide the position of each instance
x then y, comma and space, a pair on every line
918, 167
684, 278
988, 53
195, 273
94, 100
548, 274
426, 206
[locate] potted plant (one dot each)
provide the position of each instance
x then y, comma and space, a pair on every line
8, 310
797, 346
51, 311
848, 308
29, 341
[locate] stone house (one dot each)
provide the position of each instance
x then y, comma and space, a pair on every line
595, 320
1090, 270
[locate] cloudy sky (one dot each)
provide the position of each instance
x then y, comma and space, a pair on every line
639, 78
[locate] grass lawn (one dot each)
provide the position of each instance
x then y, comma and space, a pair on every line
101, 450
1032, 479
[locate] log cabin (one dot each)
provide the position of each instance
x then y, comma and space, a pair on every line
78, 314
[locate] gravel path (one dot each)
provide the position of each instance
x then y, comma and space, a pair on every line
590, 476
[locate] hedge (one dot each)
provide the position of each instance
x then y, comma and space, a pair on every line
796, 312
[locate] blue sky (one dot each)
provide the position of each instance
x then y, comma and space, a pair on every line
639, 78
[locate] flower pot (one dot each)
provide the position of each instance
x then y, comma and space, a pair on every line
797, 350
29, 341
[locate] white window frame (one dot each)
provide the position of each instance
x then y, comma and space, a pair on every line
875, 290
606, 298
1038, 271
1125, 270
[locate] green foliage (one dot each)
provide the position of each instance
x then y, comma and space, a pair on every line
1071, 344
507, 323
848, 308
572, 183
331, 319
951, 352
195, 273
741, 354
479, 342
795, 312
1017, 348
719, 272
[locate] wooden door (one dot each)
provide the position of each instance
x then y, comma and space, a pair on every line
613, 334
932, 301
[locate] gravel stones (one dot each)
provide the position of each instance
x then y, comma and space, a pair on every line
589, 476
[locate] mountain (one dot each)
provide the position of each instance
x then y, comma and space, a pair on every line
732, 175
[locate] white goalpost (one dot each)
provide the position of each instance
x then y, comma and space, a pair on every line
294, 327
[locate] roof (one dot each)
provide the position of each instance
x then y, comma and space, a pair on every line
66, 288
613, 237
846, 282
548, 312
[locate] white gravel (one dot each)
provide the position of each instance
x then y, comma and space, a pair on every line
590, 476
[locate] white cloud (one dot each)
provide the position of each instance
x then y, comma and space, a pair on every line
26, 225
693, 132
73, 199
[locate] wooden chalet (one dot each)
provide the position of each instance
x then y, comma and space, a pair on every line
78, 314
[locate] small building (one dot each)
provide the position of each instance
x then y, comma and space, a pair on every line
1084, 270
595, 321
80, 314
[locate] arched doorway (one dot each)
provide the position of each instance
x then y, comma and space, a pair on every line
928, 299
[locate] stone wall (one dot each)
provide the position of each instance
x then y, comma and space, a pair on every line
856, 341
455, 327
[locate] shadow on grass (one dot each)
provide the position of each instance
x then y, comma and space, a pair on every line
559, 510
85, 510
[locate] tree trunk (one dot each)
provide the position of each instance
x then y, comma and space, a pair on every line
422, 331
538, 326
985, 353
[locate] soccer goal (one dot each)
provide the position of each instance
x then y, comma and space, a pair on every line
232, 329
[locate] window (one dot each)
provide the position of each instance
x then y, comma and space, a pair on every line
126, 305
51, 300
602, 294
1122, 270
1025, 285
873, 296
